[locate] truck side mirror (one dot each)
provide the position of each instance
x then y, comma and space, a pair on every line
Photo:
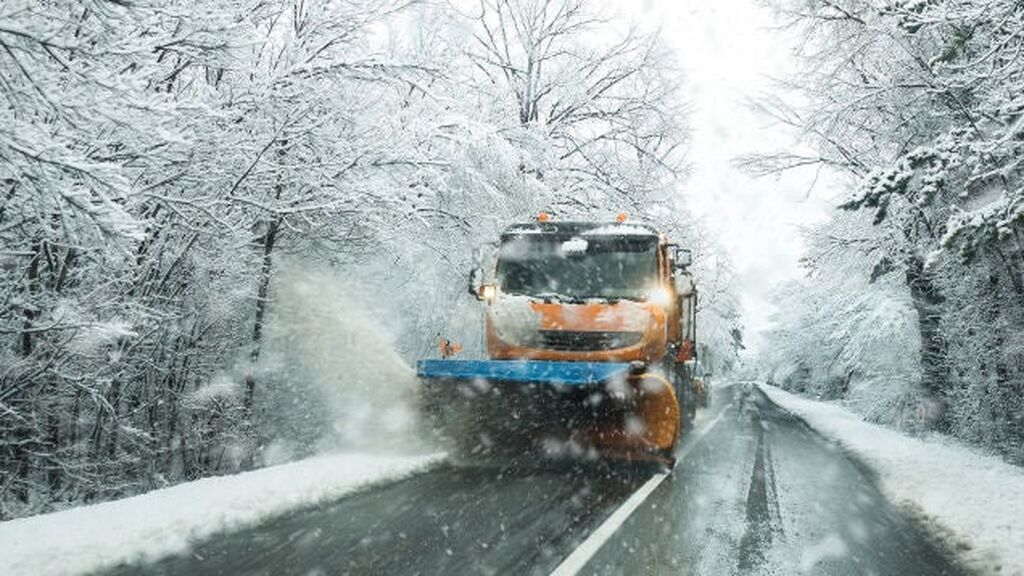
683, 257
476, 283
477, 287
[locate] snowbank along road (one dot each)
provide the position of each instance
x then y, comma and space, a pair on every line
755, 492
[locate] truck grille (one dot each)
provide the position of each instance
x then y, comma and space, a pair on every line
581, 341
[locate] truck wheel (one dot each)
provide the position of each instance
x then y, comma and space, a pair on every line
669, 459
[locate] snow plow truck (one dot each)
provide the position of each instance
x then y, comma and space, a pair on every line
590, 336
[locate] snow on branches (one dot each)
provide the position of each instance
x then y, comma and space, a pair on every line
160, 160
920, 100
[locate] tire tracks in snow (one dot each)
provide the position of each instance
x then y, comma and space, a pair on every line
763, 519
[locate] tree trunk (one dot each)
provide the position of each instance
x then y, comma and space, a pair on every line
29, 311
114, 399
927, 301
23, 431
53, 476
262, 290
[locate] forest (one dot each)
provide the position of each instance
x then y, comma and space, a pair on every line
912, 309
174, 176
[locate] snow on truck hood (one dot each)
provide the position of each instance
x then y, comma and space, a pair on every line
516, 317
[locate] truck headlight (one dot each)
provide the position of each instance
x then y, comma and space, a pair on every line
660, 296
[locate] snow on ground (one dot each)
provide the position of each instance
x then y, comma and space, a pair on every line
974, 501
162, 522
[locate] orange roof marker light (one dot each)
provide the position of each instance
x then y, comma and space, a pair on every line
621, 217
543, 217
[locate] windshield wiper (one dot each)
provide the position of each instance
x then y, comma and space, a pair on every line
549, 297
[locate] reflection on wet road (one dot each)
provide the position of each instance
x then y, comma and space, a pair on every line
756, 493
762, 493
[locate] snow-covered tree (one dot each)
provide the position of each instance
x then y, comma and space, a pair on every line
843, 332
162, 162
604, 117
920, 101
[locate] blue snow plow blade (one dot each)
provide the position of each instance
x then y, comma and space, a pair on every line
528, 371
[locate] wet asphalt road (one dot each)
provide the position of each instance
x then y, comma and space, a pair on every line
755, 492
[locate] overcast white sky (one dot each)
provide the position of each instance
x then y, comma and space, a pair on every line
730, 51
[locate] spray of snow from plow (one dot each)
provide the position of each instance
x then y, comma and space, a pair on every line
334, 379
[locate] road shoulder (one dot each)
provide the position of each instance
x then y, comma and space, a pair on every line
972, 501
90, 538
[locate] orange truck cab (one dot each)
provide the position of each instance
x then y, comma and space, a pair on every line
589, 329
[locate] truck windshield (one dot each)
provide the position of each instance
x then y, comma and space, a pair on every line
578, 268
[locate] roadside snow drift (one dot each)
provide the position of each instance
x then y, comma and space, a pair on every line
162, 522
974, 501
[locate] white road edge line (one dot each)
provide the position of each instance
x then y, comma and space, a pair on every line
585, 551
581, 555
